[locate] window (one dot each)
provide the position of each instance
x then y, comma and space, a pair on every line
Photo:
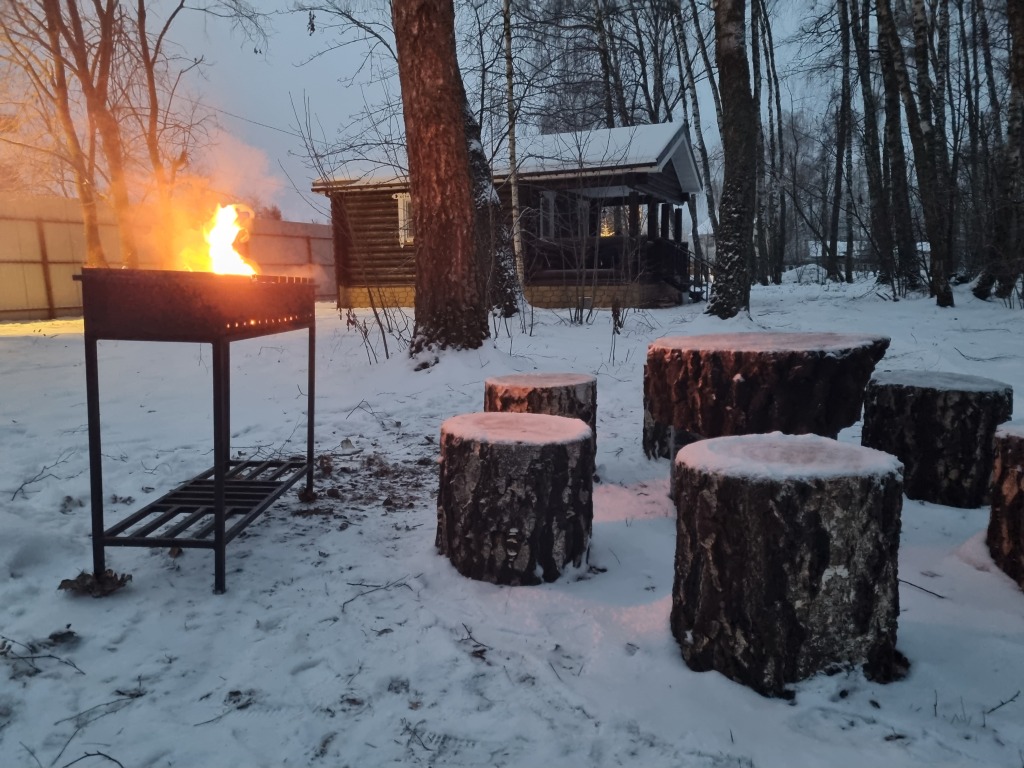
406, 232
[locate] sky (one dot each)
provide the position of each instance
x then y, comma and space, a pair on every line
346, 639
252, 88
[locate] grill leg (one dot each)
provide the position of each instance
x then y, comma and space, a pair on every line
92, 398
221, 451
310, 387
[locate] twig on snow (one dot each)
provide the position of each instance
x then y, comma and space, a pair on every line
916, 586
413, 731
377, 588
469, 636
43, 473
1003, 703
5, 651
33, 754
93, 754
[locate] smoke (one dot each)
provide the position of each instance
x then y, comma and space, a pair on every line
228, 171
239, 171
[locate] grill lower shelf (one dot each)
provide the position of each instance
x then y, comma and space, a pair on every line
186, 516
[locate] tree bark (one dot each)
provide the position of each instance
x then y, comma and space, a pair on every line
786, 559
880, 233
515, 504
930, 157
899, 195
1006, 525
572, 395
697, 387
451, 308
940, 425
733, 250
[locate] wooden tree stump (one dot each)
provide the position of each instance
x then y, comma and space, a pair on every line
786, 558
940, 425
717, 385
556, 394
1006, 525
515, 504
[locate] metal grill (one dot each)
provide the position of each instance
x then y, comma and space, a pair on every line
151, 305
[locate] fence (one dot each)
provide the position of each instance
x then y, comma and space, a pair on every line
42, 246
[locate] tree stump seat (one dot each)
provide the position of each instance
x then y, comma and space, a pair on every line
556, 394
941, 426
786, 558
1006, 524
716, 385
515, 504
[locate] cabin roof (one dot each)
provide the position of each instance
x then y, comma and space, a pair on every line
655, 158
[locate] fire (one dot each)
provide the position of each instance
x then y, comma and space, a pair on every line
223, 229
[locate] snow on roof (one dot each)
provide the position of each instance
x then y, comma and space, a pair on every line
766, 342
513, 428
944, 380
777, 456
657, 148
625, 147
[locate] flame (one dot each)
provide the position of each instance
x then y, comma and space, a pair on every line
223, 229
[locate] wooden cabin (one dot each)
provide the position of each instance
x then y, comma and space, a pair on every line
601, 221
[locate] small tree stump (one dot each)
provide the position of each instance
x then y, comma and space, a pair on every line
940, 425
1006, 525
556, 394
716, 385
515, 504
786, 558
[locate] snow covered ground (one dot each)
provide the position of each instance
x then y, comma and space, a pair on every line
345, 640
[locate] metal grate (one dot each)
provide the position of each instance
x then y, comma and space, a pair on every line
185, 517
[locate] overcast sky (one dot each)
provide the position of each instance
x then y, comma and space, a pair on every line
258, 149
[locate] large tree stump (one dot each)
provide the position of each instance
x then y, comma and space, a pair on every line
786, 558
717, 385
940, 425
515, 504
1006, 525
556, 394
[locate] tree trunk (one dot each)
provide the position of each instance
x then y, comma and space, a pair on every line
495, 252
451, 308
880, 233
1011, 200
908, 269
739, 143
786, 559
513, 117
573, 395
1006, 523
735, 384
940, 425
679, 30
515, 504
930, 159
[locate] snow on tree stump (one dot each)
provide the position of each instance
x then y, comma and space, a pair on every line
515, 504
718, 385
940, 425
786, 558
1006, 525
556, 394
